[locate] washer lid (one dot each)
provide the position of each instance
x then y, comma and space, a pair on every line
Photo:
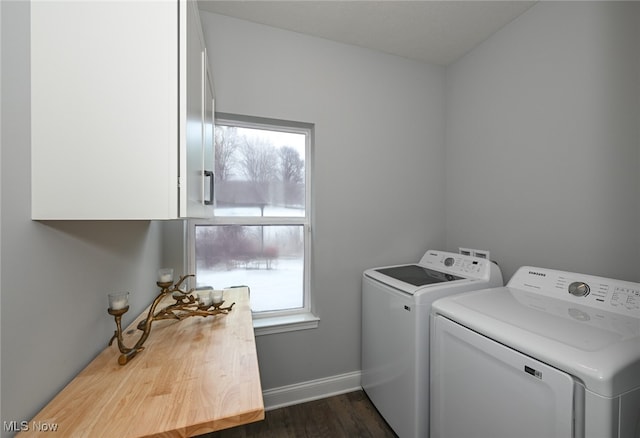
600, 348
436, 270
417, 275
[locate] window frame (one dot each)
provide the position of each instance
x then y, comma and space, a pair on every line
273, 321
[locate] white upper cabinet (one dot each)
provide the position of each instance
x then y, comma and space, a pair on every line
121, 111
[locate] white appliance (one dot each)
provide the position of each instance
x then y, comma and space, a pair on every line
396, 301
552, 354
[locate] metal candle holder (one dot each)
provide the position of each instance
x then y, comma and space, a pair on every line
185, 306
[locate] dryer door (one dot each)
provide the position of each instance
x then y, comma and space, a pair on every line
480, 388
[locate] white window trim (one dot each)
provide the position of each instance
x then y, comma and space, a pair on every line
280, 324
265, 323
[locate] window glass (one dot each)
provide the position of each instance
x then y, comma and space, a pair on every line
267, 258
259, 236
259, 172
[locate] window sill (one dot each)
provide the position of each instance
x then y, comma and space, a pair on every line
281, 324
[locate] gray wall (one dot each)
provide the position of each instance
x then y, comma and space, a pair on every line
55, 275
542, 141
377, 175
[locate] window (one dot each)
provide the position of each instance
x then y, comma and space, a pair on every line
260, 234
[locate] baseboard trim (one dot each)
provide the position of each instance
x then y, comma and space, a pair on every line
311, 390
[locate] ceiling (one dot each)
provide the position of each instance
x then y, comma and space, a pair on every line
438, 32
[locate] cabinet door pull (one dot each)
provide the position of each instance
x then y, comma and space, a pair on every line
209, 173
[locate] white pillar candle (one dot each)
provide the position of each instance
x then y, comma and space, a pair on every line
216, 295
118, 300
204, 296
165, 275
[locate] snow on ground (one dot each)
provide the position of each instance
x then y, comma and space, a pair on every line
277, 288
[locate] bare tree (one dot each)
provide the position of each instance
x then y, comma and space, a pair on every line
258, 160
291, 165
227, 143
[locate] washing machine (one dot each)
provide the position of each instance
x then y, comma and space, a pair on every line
552, 354
396, 301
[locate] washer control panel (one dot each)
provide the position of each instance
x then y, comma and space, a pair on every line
599, 292
457, 264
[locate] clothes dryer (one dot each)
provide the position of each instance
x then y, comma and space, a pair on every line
396, 301
552, 354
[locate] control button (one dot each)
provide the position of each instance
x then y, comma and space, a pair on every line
579, 289
449, 261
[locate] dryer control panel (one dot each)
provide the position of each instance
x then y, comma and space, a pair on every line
604, 293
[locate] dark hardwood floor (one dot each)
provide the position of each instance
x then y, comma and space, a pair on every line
348, 415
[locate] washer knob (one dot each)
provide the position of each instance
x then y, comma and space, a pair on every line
579, 289
449, 261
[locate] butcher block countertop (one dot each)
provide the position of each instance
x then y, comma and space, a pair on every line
194, 376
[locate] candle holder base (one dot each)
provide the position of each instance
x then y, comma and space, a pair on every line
118, 312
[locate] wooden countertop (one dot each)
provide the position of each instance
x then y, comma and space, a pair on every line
194, 376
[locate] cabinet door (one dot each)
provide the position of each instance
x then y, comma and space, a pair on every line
193, 112
104, 110
208, 146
